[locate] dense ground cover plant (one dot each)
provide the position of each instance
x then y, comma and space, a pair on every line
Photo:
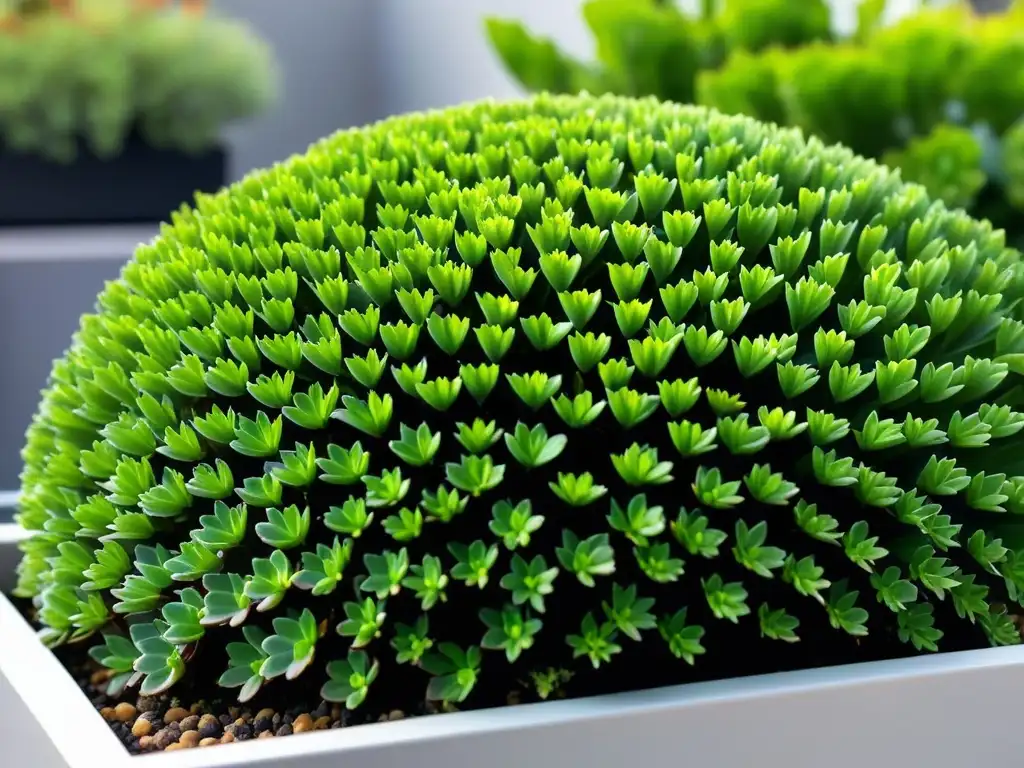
938, 93
91, 73
574, 394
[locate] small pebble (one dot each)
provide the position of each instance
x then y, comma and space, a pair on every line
302, 724
174, 714
266, 735
276, 720
100, 676
396, 714
263, 725
189, 738
226, 720
336, 712
227, 738
172, 747
265, 712
164, 737
209, 726
322, 710
243, 732
147, 703
145, 742
190, 723
196, 708
289, 719
235, 712
322, 723
284, 730
142, 727
208, 741
108, 713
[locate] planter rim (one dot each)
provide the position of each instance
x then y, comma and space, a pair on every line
43, 244
11, 533
871, 690
498, 725
45, 689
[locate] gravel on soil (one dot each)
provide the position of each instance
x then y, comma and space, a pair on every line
146, 724
166, 723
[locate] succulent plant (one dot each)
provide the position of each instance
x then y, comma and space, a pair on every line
574, 393
92, 73
653, 47
947, 161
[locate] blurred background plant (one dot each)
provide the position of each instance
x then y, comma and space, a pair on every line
88, 74
939, 93
650, 47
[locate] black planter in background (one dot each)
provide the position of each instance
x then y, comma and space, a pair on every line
990, 6
141, 184
6, 508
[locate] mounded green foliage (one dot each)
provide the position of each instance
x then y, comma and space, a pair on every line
574, 393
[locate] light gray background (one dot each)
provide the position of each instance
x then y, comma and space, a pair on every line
342, 63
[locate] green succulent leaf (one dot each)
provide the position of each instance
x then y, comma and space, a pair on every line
350, 680
455, 671
364, 621
412, 643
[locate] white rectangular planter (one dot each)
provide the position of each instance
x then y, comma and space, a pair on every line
956, 710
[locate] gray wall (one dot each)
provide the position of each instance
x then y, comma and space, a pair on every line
348, 62
44, 289
326, 51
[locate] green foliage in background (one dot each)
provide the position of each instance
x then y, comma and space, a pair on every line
175, 78
574, 393
939, 93
649, 47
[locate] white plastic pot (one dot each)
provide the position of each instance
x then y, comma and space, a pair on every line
952, 710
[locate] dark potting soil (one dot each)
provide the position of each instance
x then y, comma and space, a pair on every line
197, 713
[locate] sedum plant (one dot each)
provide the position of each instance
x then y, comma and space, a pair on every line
558, 395
87, 76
